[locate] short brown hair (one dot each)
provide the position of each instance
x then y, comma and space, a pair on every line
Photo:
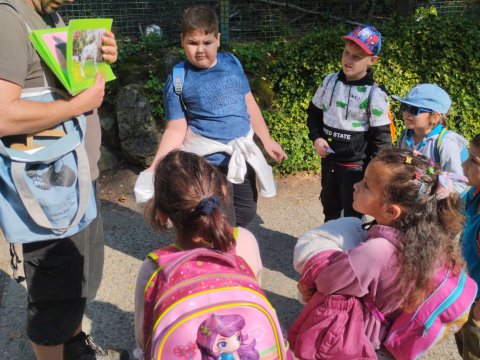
199, 17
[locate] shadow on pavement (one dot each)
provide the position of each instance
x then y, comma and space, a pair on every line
112, 327
127, 231
14, 343
287, 308
276, 248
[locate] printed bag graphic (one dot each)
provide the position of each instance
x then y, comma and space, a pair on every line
46, 190
207, 305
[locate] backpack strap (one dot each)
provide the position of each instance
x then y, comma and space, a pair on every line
328, 82
234, 58
402, 137
374, 310
438, 144
178, 75
369, 100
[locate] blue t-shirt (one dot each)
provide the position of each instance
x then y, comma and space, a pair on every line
470, 235
215, 102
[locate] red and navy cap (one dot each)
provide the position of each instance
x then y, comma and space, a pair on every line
367, 37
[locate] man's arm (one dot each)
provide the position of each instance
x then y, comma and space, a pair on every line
18, 116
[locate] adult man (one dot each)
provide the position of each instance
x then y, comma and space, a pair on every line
61, 274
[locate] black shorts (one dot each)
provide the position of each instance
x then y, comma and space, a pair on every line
61, 275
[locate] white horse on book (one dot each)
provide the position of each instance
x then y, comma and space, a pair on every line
92, 49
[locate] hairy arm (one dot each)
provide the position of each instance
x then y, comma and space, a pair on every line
18, 116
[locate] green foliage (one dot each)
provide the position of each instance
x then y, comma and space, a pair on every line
428, 49
425, 49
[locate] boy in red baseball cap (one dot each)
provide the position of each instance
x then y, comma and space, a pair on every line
349, 121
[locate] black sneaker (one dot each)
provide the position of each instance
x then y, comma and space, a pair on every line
82, 347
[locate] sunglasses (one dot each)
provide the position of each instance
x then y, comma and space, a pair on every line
413, 110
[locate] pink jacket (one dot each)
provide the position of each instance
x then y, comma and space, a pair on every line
369, 268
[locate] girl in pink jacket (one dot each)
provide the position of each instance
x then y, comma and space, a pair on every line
416, 221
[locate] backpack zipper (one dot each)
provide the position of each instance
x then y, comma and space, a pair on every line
419, 308
454, 295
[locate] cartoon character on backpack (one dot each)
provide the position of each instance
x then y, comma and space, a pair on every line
220, 337
202, 300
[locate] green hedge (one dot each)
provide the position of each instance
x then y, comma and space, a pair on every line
443, 50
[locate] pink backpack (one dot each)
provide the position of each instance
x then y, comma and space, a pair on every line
442, 313
202, 304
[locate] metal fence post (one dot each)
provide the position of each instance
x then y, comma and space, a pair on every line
224, 22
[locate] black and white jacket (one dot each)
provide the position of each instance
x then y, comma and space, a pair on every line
341, 113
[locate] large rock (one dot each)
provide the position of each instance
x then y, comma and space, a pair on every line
138, 131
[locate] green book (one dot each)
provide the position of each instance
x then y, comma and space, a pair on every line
74, 53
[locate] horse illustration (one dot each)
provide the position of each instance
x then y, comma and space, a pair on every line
92, 49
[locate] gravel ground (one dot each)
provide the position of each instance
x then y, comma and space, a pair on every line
109, 317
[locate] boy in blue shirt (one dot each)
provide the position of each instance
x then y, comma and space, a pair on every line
468, 338
349, 121
216, 115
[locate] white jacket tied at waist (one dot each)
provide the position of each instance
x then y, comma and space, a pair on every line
241, 150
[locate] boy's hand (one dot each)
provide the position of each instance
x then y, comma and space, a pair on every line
274, 150
321, 147
109, 47
306, 292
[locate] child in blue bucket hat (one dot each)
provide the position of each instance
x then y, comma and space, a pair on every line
424, 111
349, 121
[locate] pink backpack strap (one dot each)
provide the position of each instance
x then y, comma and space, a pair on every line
374, 310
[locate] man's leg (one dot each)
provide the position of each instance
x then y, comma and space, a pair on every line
54, 272
329, 195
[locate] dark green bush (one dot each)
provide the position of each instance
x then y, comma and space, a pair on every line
438, 50
443, 50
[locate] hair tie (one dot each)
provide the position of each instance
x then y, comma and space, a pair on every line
420, 192
208, 204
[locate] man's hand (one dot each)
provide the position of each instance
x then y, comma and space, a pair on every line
109, 47
90, 98
322, 147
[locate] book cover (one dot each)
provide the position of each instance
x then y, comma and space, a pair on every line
74, 53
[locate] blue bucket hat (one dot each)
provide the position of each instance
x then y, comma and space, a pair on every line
367, 37
428, 96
